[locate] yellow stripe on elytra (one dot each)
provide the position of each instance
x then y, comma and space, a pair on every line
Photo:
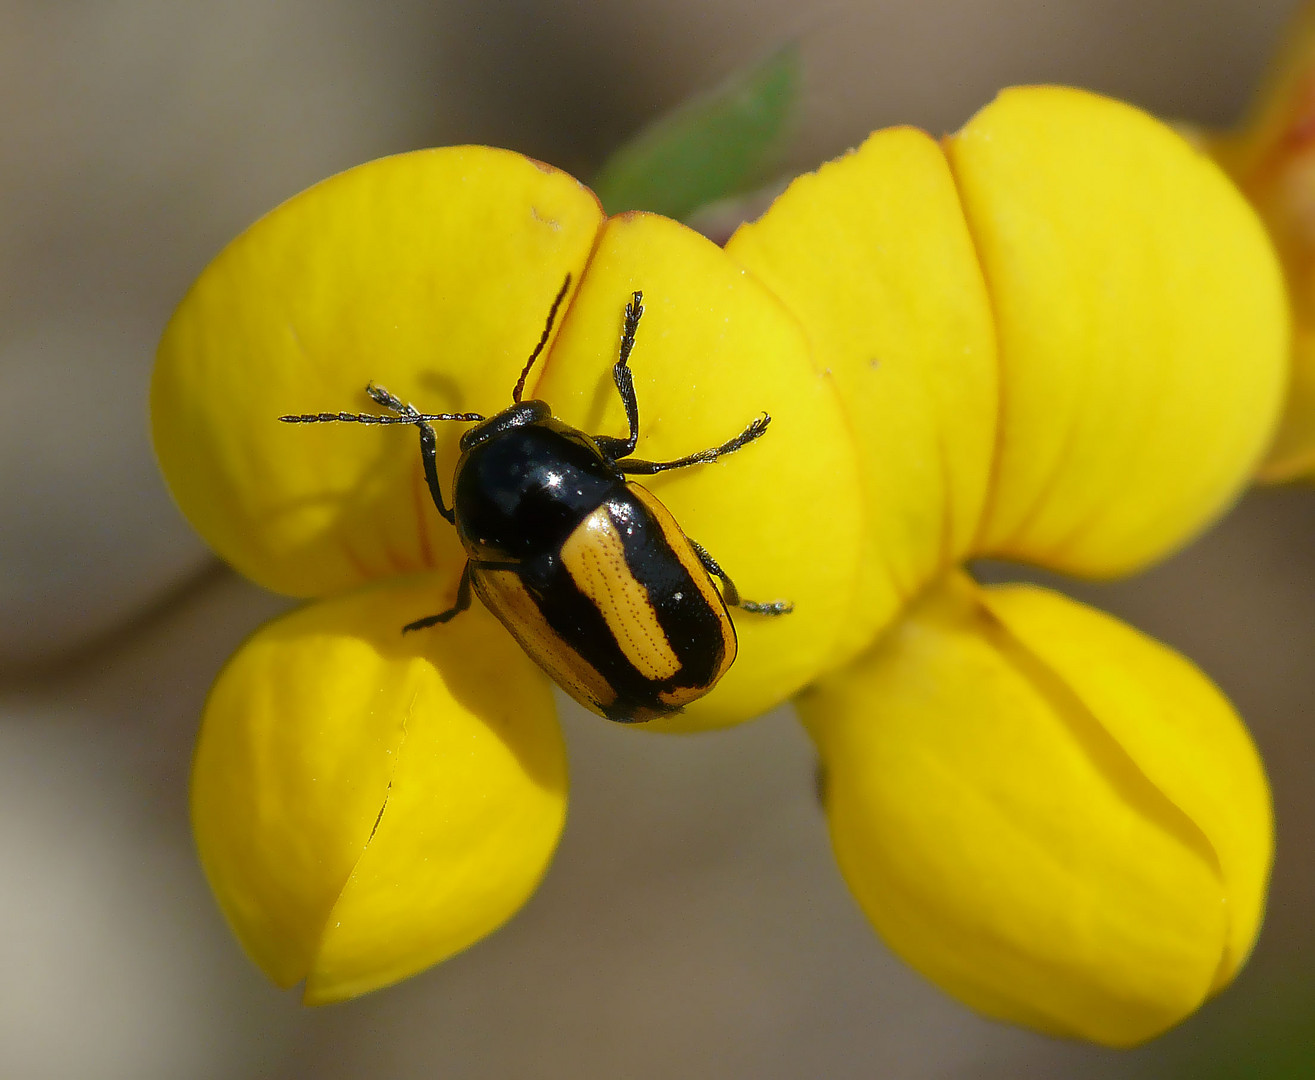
594, 555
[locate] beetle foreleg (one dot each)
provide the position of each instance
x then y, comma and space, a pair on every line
428, 453
646, 468
389, 401
731, 594
429, 459
406, 414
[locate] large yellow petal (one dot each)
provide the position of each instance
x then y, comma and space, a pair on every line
873, 256
367, 803
1142, 329
1059, 821
430, 273
782, 515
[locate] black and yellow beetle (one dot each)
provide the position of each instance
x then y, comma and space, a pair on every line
589, 572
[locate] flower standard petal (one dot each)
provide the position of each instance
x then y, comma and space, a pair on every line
873, 255
1142, 329
430, 273
714, 351
1044, 847
366, 803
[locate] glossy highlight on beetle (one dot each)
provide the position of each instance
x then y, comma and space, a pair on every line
588, 571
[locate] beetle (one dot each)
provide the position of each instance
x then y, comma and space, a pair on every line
589, 572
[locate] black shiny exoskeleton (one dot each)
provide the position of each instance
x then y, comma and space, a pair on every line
589, 572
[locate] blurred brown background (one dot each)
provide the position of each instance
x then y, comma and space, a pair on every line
693, 924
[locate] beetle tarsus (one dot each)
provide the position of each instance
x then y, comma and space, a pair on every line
390, 401
771, 607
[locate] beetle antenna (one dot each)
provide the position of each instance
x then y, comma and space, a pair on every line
373, 418
406, 414
543, 340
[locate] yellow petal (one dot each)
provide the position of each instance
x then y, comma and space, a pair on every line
430, 273
873, 256
1059, 821
1174, 727
1142, 329
367, 803
714, 351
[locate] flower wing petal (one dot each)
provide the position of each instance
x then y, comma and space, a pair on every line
366, 803
873, 255
1142, 329
429, 273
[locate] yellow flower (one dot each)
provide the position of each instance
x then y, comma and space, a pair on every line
1272, 158
367, 803
1057, 338
1060, 338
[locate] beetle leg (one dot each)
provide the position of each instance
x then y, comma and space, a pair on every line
625, 385
731, 594
463, 595
463, 602
429, 459
406, 414
428, 452
647, 468
389, 401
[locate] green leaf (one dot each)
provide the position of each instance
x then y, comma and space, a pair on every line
715, 145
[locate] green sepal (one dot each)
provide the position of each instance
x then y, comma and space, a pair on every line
713, 146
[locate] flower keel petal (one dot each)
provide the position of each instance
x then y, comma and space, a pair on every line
1011, 840
366, 803
1178, 730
